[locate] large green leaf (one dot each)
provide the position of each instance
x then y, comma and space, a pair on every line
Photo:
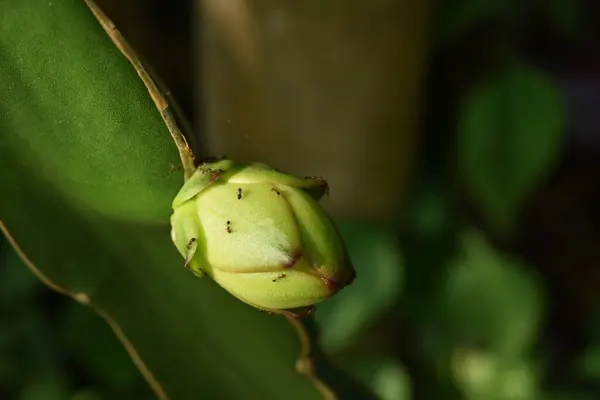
85, 192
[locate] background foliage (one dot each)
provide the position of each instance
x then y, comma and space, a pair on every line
483, 282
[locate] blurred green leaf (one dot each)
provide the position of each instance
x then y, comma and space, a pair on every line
378, 262
483, 375
385, 376
86, 188
589, 363
509, 138
491, 301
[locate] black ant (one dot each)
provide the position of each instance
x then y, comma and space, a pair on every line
190, 243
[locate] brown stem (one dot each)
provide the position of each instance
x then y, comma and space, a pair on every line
304, 363
185, 152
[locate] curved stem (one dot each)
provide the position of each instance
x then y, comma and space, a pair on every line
185, 152
304, 363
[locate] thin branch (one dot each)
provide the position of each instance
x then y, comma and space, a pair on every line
304, 363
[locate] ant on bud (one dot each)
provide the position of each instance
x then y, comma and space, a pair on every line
215, 174
278, 277
190, 243
319, 178
239, 193
190, 254
277, 192
228, 226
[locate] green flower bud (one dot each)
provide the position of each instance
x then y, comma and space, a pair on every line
261, 235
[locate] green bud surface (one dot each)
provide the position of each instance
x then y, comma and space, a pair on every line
261, 235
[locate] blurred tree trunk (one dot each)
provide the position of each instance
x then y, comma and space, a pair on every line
328, 88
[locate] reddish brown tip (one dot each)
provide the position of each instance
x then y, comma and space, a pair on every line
296, 256
215, 174
332, 285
